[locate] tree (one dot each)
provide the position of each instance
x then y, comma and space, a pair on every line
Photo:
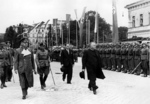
103, 28
122, 33
14, 36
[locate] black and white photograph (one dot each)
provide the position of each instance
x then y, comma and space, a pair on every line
74, 51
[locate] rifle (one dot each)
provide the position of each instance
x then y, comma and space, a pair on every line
136, 67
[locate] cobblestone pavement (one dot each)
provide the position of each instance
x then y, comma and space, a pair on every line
117, 88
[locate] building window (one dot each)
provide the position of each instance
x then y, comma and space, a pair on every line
141, 19
133, 21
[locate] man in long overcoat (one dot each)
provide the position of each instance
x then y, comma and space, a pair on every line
92, 62
24, 65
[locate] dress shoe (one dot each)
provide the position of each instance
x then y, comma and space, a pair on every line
44, 85
4, 85
94, 91
23, 97
63, 79
68, 82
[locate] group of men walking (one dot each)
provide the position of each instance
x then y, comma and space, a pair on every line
24, 62
126, 58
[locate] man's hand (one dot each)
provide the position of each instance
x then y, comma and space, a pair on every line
83, 69
16, 71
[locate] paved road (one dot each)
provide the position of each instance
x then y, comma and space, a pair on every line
117, 88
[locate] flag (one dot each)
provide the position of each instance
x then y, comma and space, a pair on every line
115, 37
39, 25
68, 19
81, 25
55, 29
60, 28
76, 16
45, 29
55, 25
96, 22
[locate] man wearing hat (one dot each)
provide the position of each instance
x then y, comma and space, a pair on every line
4, 60
137, 58
43, 64
144, 59
24, 66
92, 62
10, 51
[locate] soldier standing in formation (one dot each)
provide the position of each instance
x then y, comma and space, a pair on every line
126, 58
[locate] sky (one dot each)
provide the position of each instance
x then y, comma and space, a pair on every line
13, 12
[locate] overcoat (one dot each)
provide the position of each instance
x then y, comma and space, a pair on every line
92, 62
24, 64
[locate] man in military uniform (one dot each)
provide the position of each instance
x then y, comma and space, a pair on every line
113, 58
10, 66
4, 60
118, 57
144, 59
130, 58
104, 56
43, 64
124, 53
137, 59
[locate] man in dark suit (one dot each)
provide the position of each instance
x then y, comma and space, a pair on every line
67, 60
92, 62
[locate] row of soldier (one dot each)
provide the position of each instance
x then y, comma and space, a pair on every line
126, 58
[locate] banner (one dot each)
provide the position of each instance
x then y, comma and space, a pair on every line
115, 37
45, 30
81, 25
77, 17
96, 22
68, 26
55, 30
68, 18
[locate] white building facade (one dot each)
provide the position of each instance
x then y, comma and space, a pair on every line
38, 34
139, 19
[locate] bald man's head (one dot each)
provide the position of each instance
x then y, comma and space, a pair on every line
93, 45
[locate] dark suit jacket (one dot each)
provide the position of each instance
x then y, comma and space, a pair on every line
92, 62
66, 58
